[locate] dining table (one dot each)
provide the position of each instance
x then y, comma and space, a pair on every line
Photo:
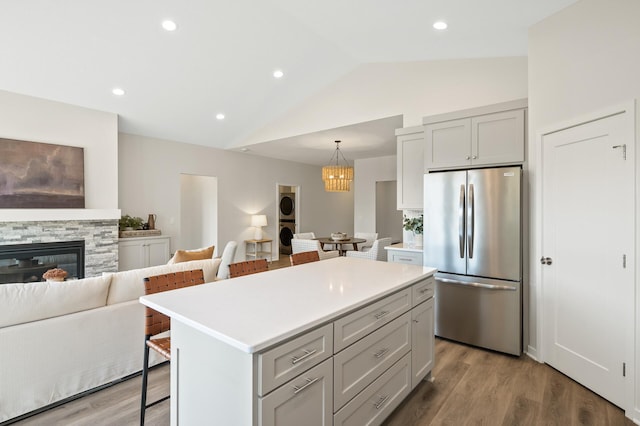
340, 243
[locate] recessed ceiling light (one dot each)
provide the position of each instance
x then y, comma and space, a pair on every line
220, 116
440, 25
117, 91
278, 74
169, 25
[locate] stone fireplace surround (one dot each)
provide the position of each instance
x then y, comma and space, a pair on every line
100, 236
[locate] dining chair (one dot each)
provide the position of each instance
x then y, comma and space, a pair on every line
376, 252
299, 245
247, 267
157, 323
366, 246
228, 254
304, 257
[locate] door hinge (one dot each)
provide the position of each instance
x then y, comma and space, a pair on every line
624, 150
624, 260
624, 369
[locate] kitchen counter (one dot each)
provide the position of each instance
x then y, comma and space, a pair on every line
404, 247
256, 311
403, 253
308, 344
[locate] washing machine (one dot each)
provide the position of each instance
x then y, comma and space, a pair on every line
287, 207
287, 229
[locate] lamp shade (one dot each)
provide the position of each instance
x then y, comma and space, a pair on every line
258, 220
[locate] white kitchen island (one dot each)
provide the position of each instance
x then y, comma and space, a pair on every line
340, 341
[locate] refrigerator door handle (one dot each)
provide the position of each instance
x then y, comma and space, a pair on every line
461, 230
471, 221
478, 285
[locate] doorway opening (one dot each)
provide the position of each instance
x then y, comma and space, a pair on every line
198, 211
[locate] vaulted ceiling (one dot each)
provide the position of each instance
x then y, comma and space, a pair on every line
222, 55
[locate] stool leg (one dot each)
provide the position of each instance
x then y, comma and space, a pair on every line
145, 373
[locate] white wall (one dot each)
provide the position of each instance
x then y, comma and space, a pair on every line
150, 182
581, 60
198, 212
39, 120
414, 89
367, 173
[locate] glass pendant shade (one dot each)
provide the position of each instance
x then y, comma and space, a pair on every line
337, 177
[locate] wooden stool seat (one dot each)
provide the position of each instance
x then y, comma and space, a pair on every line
247, 267
304, 257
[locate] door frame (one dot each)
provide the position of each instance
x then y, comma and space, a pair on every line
629, 111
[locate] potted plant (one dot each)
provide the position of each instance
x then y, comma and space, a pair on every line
129, 223
415, 225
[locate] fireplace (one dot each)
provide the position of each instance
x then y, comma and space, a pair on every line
27, 262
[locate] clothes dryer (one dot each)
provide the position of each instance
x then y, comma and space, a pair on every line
287, 206
287, 229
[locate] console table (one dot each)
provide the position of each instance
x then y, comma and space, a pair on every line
322, 343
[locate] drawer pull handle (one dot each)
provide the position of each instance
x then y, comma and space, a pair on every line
297, 389
381, 353
424, 290
381, 402
406, 259
307, 354
381, 314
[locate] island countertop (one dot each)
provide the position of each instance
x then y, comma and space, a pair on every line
254, 312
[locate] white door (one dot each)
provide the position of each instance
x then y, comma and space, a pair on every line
588, 236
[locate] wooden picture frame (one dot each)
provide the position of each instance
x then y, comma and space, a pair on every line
40, 175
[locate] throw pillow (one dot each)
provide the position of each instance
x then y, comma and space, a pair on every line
189, 255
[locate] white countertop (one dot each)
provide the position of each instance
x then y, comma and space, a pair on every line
256, 311
404, 247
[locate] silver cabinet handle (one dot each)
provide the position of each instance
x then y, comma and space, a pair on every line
424, 290
381, 353
381, 314
297, 389
405, 259
381, 402
307, 354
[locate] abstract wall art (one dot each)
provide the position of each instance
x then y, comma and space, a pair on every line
39, 175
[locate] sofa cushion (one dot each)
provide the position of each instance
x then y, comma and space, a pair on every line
25, 302
189, 255
129, 285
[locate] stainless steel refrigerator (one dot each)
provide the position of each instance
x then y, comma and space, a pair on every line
473, 236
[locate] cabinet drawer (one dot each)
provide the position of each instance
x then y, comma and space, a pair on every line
359, 364
305, 400
358, 324
378, 400
408, 257
286, 361
423, 290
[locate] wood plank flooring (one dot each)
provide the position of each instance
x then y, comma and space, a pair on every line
471, 387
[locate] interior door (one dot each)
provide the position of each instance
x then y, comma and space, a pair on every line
588, 251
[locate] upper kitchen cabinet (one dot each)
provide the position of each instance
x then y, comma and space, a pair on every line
410, 167
486, 136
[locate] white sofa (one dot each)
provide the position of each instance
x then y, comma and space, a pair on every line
60, 339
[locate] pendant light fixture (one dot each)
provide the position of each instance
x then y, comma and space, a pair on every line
337, 177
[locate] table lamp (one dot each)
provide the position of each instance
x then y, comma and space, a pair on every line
258, 221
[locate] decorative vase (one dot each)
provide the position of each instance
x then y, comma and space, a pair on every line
417, 240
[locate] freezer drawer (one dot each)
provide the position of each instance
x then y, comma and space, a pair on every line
480, 312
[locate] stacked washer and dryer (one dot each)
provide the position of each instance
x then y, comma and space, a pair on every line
287, 221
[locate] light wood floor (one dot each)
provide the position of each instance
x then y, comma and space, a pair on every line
471, 387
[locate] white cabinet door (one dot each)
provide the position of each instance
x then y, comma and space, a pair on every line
498, 138
305, 400
422, 339
157, 252
130, 255
410, 158
447, 144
